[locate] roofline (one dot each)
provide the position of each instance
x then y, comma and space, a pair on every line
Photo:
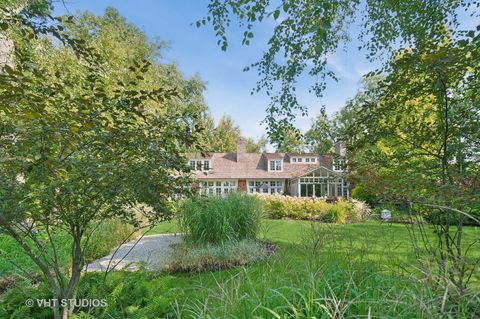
314, 169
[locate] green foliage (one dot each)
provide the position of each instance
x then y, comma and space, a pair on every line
217, 220
362, 193
301, 42
188, 258
341, 211
421, 143
13, 301
134, 295
351, 260
90, 126
224, 136
258, 146
14, 261
290, 141
39, 8
117, 232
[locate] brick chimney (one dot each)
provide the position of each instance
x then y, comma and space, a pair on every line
241, 148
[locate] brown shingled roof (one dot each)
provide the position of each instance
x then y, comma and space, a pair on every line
252, 165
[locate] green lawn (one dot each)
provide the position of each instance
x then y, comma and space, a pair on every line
355, 270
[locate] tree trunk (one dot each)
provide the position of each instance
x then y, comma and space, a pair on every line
77, 266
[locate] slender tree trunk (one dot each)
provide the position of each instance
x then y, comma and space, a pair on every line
77, 265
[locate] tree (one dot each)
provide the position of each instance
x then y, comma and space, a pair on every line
321, 136
420, 139
85, 135
224, 136
306, 33
257, 146
292, 142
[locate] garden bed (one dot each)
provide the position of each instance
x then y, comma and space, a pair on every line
203, 258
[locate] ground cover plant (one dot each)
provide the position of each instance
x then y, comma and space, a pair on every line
352, 270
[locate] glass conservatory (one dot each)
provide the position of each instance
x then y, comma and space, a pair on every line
321, 182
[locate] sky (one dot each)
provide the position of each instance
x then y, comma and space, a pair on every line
195, 50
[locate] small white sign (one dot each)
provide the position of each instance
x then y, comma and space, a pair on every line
386, 214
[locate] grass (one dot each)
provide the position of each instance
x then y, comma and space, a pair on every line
186, 258
100, 245
218, 220
355, 270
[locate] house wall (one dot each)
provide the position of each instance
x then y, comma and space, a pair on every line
294, 187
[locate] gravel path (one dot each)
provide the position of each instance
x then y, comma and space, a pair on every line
152, 251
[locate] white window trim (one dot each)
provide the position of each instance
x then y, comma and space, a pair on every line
275, 164
202, 165
255, 189
343, 164
205, 190
303, 160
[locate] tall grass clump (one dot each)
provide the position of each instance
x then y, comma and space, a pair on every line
217, 220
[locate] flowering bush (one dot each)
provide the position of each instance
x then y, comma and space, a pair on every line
306, 208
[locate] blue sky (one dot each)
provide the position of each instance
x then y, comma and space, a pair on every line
228, 87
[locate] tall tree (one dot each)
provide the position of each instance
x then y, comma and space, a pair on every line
420, 144
223, 137
307, 32
90, 126
226, 135
258, 146
292, 142
321, 136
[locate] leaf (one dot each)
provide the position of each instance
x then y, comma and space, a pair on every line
276, 14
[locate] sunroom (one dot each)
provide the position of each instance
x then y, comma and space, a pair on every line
321, 182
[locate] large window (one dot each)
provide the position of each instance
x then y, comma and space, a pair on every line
275, 165
265, 187
316, 184
218, 188
199, 165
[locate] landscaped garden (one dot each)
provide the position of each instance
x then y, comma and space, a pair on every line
107, 144
320, 270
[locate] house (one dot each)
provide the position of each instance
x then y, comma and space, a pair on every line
294, 174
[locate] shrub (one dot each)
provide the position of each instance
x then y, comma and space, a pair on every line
334, 214
109, 234
217, 220
362, 193
362, 209
340, 211
186, 258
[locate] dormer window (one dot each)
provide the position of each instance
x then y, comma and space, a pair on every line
339, 164
275, 165
200, 165
301, 160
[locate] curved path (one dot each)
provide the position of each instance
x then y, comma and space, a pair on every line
151, 251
